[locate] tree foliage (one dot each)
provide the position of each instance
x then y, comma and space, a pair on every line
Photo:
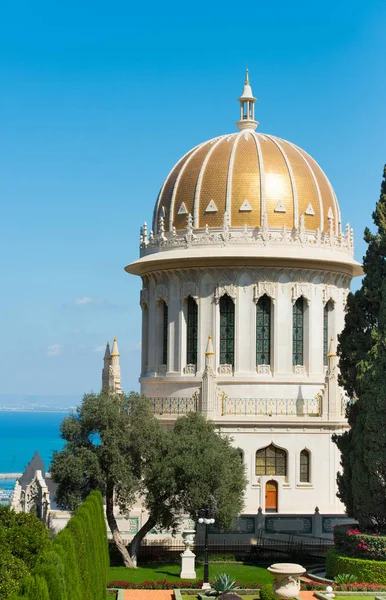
115, 444
362, 351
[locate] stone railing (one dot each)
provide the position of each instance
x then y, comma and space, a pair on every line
267, 407
174, 405
258, 236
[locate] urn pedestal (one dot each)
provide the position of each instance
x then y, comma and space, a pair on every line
287, 583
188, 557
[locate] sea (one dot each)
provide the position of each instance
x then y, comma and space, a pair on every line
21, 433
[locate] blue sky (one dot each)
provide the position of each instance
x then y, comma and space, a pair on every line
99, 100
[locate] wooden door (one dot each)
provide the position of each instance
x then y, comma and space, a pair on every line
271, 496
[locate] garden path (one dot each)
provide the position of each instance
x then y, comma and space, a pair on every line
306, 595
155, 595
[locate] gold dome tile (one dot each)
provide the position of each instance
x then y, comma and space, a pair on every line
305, 186
277, 185
214, 185
246, 184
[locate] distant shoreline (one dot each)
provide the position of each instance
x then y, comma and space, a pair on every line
40, 409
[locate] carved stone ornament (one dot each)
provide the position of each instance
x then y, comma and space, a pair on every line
190, 370
262, 288
301, 289
162, 370
225, 288
189, 289
225, 369
263, 370
299, 370
162, 293
144, 298
329, 293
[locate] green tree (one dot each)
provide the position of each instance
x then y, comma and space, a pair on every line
362, 351
115, 444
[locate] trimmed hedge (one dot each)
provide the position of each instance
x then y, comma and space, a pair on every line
349, 541
75, 565
370, 571
267, 593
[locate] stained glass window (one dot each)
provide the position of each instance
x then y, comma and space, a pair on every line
271, 461
326, 310
297, 332
304, 466
227, 331
165, 335
263, 331
192, 332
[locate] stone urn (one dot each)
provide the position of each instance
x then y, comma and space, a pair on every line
188, 538
287, 583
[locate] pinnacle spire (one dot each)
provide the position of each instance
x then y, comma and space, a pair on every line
115, 350
247, 106
107, 355
209, 346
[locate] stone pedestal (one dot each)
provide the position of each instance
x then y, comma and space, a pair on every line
188, 565
287, 583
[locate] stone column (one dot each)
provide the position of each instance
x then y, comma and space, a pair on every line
153, 341
209, 384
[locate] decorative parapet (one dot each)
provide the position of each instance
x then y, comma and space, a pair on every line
258, 236
267, 407
174, 405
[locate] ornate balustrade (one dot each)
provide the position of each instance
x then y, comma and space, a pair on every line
174, 405
264, 235
288, 407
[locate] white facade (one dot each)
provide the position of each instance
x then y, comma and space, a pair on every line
281, 401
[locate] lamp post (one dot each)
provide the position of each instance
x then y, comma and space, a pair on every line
206, 520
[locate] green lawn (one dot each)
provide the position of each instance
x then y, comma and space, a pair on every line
243, 573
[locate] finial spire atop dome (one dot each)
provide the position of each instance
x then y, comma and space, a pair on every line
247, 106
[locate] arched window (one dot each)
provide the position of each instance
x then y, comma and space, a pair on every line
263, 330
191, 332
326, 330
298, 332
271, 461
227, 331
165, 335
304, 466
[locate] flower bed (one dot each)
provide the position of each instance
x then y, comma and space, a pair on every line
343, 587
349, 541
163, 584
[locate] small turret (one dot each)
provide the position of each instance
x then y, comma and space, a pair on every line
247, 107
111, 373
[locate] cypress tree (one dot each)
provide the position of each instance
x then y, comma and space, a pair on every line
64, 544
362, 351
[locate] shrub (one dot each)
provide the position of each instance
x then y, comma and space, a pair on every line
12, 571
345, 578
267, 593
370, 571
349, 541
23, 535
222, 584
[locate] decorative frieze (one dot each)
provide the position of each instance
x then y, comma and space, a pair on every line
161, 293
330, 293
262, 288
190, 370
223, 289
263, 370
225, 369
301, 289
189, 288
299, 370
144, 298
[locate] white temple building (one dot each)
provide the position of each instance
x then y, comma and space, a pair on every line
245, 277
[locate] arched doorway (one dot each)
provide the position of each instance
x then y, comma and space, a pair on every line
271, 496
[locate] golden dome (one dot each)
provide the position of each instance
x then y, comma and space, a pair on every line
248, 175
